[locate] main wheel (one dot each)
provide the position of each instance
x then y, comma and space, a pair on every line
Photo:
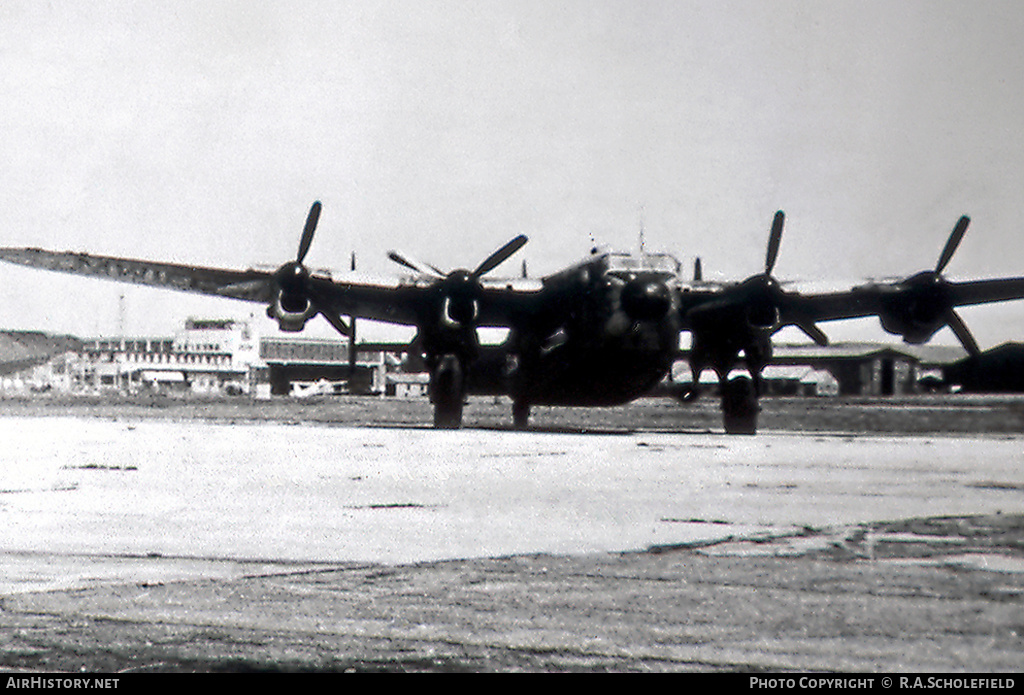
447, 393
520, 414
739, 406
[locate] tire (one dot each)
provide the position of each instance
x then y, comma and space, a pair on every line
520, 415
447, 393
739, 406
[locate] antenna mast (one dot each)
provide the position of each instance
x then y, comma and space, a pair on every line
641, 230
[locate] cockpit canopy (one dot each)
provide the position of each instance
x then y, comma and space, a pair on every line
630, 264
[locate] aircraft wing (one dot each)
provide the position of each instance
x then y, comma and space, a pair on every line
914, 308
877, 298
250, 285
411, 300
401, 300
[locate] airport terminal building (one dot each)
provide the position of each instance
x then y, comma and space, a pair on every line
208, 356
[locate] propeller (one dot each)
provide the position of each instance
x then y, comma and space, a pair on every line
774, 240
293, 277
460, 288
952, 319
413, 264
955, 237
921, 304
307, 232
298, 295
500, 256
769, 287
489, 263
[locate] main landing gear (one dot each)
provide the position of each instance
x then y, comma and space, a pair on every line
739, 405
448, 392
520, 414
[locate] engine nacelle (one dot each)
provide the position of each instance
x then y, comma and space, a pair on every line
291, 312
916, 325
646, 300
918, 310
763, 317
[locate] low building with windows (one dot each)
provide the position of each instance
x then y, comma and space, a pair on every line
209, 356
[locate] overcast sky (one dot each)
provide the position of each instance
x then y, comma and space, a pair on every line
202, 131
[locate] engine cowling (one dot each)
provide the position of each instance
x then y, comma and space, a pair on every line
458, 294
646, 299
917, 309
763, 317
913, 330
291, 311
921, 305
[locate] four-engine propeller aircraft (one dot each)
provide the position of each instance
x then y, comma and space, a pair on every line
601, 332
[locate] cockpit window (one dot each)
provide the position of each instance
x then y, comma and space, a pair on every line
658, 263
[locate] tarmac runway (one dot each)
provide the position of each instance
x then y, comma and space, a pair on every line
139, 491
90, 504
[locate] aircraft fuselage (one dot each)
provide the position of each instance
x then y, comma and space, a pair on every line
611, 335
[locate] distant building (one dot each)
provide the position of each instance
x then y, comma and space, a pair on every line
35, 361
208, 356
797, 380
401, 385
848, 369
227, 356
999, 370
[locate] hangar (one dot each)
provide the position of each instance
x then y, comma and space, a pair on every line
999, 370
847, 369
871, 369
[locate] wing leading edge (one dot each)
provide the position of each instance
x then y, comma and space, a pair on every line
401, 300
248, 285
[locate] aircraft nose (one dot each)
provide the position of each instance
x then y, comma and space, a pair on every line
645, 299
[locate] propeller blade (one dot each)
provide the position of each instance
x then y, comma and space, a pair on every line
963, 334
338, 323
316, 298
256, 290
499, 256
307, 232
952, 243
415, 345
413, 264
773, 242
812, 331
